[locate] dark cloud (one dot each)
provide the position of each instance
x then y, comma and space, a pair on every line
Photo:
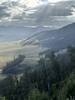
4, 9
3, 12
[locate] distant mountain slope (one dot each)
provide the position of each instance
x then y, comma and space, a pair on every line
55, 39
15, 33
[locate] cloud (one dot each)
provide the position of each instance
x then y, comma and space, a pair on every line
73, 11
3, 12
1, 1
60, 12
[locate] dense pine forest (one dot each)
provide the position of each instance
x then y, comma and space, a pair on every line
53, 78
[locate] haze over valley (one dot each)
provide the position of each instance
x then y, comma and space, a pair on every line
27, 29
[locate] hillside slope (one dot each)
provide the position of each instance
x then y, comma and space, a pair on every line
55, 39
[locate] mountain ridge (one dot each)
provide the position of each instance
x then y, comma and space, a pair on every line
59, 38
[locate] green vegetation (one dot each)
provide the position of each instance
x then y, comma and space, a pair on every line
53, 78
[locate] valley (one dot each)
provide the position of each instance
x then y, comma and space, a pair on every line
34, 44
10, 51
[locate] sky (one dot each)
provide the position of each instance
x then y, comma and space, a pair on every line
37, 12
53, 1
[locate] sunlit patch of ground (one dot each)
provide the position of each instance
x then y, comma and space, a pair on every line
4, 60
9, 50
9, 45
5, 54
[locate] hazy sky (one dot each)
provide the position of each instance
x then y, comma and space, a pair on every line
37, 12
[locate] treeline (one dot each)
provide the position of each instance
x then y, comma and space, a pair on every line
52, 79
13, 66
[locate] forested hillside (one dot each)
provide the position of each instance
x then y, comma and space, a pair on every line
53, 78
